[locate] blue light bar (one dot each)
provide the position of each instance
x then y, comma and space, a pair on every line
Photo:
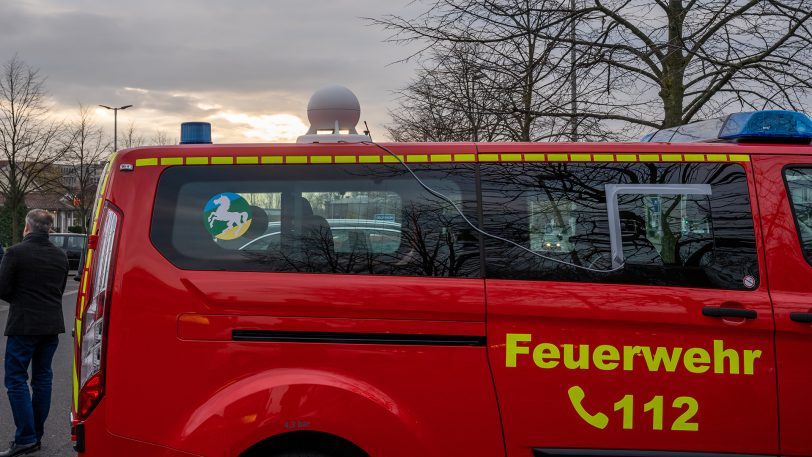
767, 125
195, 133
758, 126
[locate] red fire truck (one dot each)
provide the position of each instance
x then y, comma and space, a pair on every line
332, 299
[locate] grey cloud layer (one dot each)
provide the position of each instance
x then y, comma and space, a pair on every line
249, 53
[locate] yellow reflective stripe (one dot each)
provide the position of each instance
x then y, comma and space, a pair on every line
243, 160
440, 158
222, 160
171, 160
739, 158
511, 157
390, 159
197, 161
146, 162
77, 325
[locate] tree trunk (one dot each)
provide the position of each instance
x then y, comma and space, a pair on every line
672, 84
16, 235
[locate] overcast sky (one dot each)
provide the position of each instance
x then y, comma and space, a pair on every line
247, 66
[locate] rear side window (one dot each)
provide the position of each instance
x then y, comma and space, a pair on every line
799, 184
350, 219
57, 240
683, 224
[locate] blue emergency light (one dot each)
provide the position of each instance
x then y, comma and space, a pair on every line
772, 126
195, 133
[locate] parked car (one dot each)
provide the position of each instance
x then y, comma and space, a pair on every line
73, 244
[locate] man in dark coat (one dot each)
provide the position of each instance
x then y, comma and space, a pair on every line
33, 274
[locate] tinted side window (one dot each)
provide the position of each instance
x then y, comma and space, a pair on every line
57, 240
799, 184
352, 219
559, 211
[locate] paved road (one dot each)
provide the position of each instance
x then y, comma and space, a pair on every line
56, 441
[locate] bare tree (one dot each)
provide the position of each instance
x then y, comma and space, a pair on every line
666, 63
86, 150
622, 65
494, 68
130, 138
28, 138
161, 138
447, 102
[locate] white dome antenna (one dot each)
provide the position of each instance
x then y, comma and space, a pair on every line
333, 112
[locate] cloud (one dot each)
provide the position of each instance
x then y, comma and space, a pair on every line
184, 60
274, 128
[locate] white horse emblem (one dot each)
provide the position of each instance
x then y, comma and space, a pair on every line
222, 214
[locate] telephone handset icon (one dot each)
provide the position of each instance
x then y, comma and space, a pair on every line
598, 420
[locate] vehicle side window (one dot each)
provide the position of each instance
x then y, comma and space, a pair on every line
799, 184
350, 219
76, 242
57, 240
671, 231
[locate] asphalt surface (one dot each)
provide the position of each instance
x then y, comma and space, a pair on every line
56, 441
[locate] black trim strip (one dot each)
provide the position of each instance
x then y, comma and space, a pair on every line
357, 338
547, 452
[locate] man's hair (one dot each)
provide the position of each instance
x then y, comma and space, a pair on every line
39, 220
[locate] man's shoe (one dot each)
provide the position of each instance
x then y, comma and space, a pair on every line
20, 449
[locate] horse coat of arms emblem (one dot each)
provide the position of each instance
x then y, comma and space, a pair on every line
227, 216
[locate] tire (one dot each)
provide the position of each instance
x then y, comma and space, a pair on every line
304, 454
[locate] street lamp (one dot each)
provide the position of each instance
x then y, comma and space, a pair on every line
115, 123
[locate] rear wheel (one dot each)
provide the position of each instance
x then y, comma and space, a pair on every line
304, 454
330, 453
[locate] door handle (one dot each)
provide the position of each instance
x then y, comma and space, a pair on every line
804, 318
713, 311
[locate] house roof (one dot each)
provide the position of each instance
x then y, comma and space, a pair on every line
51, 201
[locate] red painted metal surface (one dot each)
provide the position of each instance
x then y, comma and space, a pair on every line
791, 291
174, 379
177, 385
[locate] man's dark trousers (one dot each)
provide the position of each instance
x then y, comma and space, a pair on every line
29, 409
